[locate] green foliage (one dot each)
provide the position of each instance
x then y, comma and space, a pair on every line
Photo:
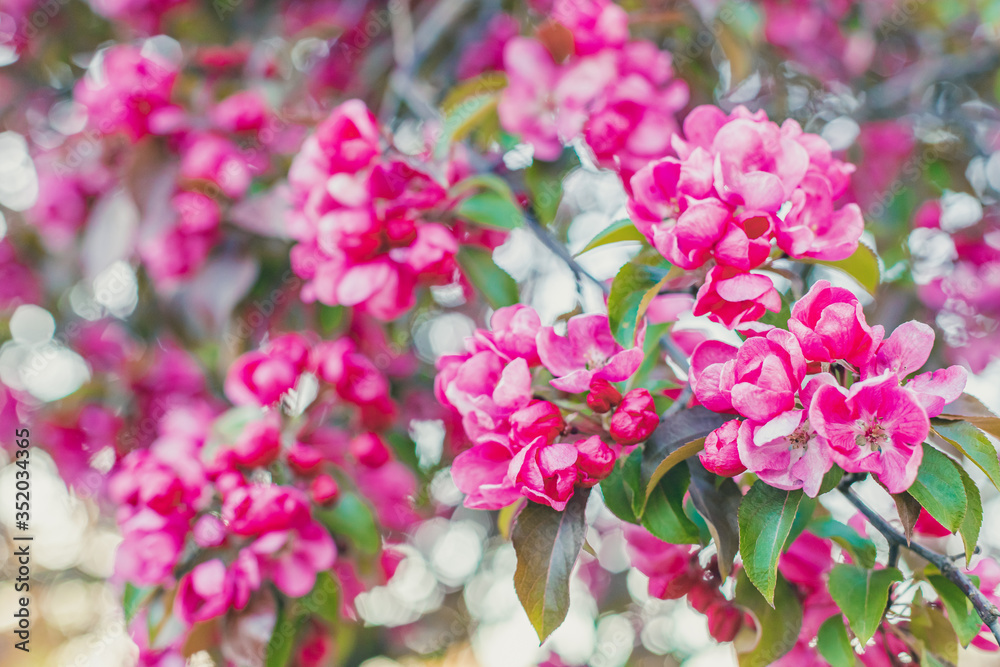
862, 593
833, 643
633, 289
766, 516
861, 549
617, 232
495, 284
939, 489
961, 613
973, 443
547, 544
352, 518
863, 266
664, 514
779, 623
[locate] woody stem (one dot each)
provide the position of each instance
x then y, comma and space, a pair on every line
986, 609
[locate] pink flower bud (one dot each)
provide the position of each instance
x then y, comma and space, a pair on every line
603, 396
635, 419
304, 459
724, 621
324, 490
538, 419
370, 450
595, 460
259, 444
721, 455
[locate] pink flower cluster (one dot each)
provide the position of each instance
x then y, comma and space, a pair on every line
736, 184
359, 219
518, 447
828, 390
961, 281
675, 571
583, 77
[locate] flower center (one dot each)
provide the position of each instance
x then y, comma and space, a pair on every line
799, 439
872, 435
595, 359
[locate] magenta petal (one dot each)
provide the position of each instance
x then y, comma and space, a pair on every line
906, 350
621, 366
939, 388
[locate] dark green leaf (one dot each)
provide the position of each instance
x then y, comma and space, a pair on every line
862, 595
631, 292
675, 457
491, 209
765, 517
939, 489
779, 626
664, 515
674, 434
972, 522
861, 549
974, 444
862, 266
616, 232
963, 616
495, 284
547, 544
718, 501
833, 643
831, 479
282, 643
615, 497
352, 518
634, 488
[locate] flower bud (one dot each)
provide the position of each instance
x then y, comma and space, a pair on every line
720, 455
635, 419
370, 450
603, 396
324, 490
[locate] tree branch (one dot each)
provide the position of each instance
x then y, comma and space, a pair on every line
560, 251
986, 609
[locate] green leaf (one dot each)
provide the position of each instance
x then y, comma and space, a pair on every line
803, 515
862, 594
282, 643
862, 266
972, 522
833, 643
974, 444
765, 517
779, 625
963, 616
495, 284
933, 632
616, 232
352, 518
970, 409
631, 292
468, 105
679, 455
664, 514
491, 209
324, 599
615, 497
676, 436
547, 543
831, 479
133, 598
939, 489
718, 501
545, 184
634, 488
861, 549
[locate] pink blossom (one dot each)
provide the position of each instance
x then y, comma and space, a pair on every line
124, 89
292, 558
720, 455
830, 325
528, 106
324, 490
988, 572
635, 418
481, 474
537, 419
785, 452
668, 566
588, 351
210, 589
259, 444
732, 296
811, 228
906, 351
595, 460
602, 396
263, 377
370, 450
484, 391
512, 334
217, 160
545, 472
875, 427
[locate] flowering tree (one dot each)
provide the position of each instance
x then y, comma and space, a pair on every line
290, 286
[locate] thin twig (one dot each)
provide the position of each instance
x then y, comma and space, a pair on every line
560, 251
986, 609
